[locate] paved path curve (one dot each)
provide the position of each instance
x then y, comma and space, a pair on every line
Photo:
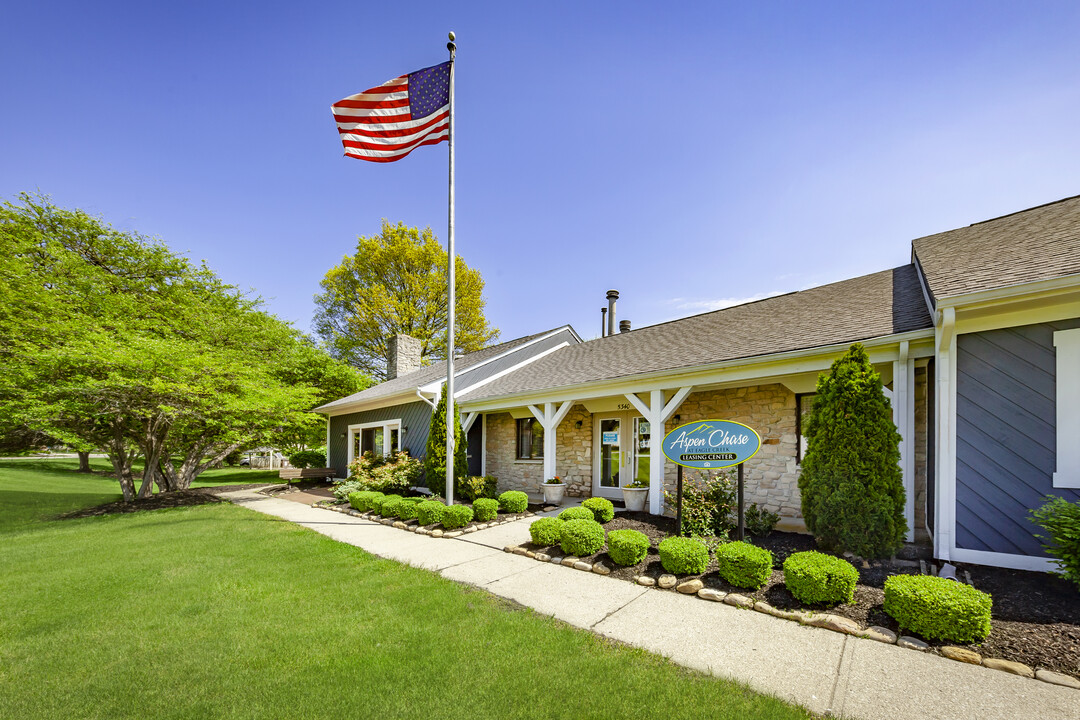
824, 671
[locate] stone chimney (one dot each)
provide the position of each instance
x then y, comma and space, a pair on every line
402, 356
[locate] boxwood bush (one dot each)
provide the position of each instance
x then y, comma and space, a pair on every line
375, 503
362, 500
546, 531
582, 537
684, 556
815, 577
389, 506
429, 512
628, 547
485, 509
456, 516
576, 513
513, 501
938, 608
744, 565
407, 508
601, 508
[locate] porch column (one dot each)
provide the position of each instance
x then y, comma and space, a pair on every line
657, 412
904, 419
550, 418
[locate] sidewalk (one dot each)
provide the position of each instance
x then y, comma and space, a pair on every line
824, 671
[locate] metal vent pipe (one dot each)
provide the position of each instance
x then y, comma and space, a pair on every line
612, 296
624, 326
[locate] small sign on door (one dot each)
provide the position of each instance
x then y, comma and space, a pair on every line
611, 437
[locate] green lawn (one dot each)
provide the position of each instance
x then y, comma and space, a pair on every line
216, 611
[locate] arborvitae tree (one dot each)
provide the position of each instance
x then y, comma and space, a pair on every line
435, 457
851, 486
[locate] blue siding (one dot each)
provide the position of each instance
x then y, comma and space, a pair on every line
1006, 440
414, 416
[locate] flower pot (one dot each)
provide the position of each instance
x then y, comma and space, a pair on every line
635, 498
553, 494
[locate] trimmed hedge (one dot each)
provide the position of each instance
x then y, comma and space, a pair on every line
938, 608
546, 531
576, 513
362, 500
815, 577
744, 565
430, 512
456, 516
407, 508
485, 509
684, 556
628, 547
602, 509
375, 503
389, 506
582, 537
513, 501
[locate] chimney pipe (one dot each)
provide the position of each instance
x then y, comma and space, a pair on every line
612, 296
603, 322
624, 326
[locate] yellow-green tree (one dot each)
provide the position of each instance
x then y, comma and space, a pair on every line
395, 283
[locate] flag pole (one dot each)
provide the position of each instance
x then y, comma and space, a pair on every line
451, 257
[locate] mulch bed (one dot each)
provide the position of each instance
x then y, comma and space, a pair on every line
160, 501
1036, 616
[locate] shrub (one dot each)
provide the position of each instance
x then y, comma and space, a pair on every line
456, 516
852, 491
394, 474
485, 509
435, 455
429, 512
546, 531
582, 537
513, 501
576, 513
759, 522
602, 509
683, 556
938, 608
389, 506
1061, 519
342, 490
476, 486
629, 547
362, 499
815, 577
308, 459
375, 503
354, 499
407, 508
744, 565
708, 502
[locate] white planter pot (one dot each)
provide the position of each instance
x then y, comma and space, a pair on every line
553, 494
635, 498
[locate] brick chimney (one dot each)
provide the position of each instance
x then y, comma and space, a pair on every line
402, 356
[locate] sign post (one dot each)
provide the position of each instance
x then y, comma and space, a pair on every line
712, 445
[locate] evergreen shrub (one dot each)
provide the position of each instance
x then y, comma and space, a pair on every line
477, 486
308, 459
407, 508
627, 547
602, 509
582, 537
389, 506
485, 509
546, 531
576, 513
1061, 519
815, 578
429, 512
513, 501
759, 522
683, 556
435, 454
744, 565
456, 516
938, 608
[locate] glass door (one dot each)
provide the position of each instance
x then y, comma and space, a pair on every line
611, 455
621, 451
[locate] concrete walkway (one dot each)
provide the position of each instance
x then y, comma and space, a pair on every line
824, 671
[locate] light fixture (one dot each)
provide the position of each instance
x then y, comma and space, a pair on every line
343, 436
678, 418
578, 424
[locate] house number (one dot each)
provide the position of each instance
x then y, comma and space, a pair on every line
624, 406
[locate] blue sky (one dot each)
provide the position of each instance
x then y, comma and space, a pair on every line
689, 156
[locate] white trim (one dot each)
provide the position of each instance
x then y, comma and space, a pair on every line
467, 423
483, 444
922, 283
1026, 291
507, 371
626, 430
327, 464
434, 405
1003, 560
656, 412
903, 418
1067, 347
945, 472
386, 425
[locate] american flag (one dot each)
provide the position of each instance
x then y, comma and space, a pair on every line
388, 122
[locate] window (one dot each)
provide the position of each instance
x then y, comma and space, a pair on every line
530, 439
803, 404
379, 438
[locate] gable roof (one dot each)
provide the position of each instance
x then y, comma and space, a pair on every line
880, 304
409, 382
1040, 243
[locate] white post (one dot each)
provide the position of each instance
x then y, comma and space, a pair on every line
450, 258
903, 371
550, 419
657, 413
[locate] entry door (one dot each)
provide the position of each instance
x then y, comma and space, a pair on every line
621, 447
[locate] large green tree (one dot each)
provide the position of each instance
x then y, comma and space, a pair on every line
395, 283
851, 486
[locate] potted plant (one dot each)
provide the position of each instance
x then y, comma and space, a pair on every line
635, 494
553, 490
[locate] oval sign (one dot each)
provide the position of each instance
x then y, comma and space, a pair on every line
711, 444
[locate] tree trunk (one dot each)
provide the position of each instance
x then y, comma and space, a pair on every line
153, 442
84, 462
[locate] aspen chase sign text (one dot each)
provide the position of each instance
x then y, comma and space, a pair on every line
711, 444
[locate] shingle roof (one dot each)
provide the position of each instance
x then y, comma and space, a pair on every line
1036, 244
884, 303
431, 373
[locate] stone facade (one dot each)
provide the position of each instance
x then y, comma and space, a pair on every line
573, 456
771, 478
921, 439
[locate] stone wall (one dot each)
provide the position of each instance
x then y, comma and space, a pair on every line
573, 456
921, 439
771, 477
